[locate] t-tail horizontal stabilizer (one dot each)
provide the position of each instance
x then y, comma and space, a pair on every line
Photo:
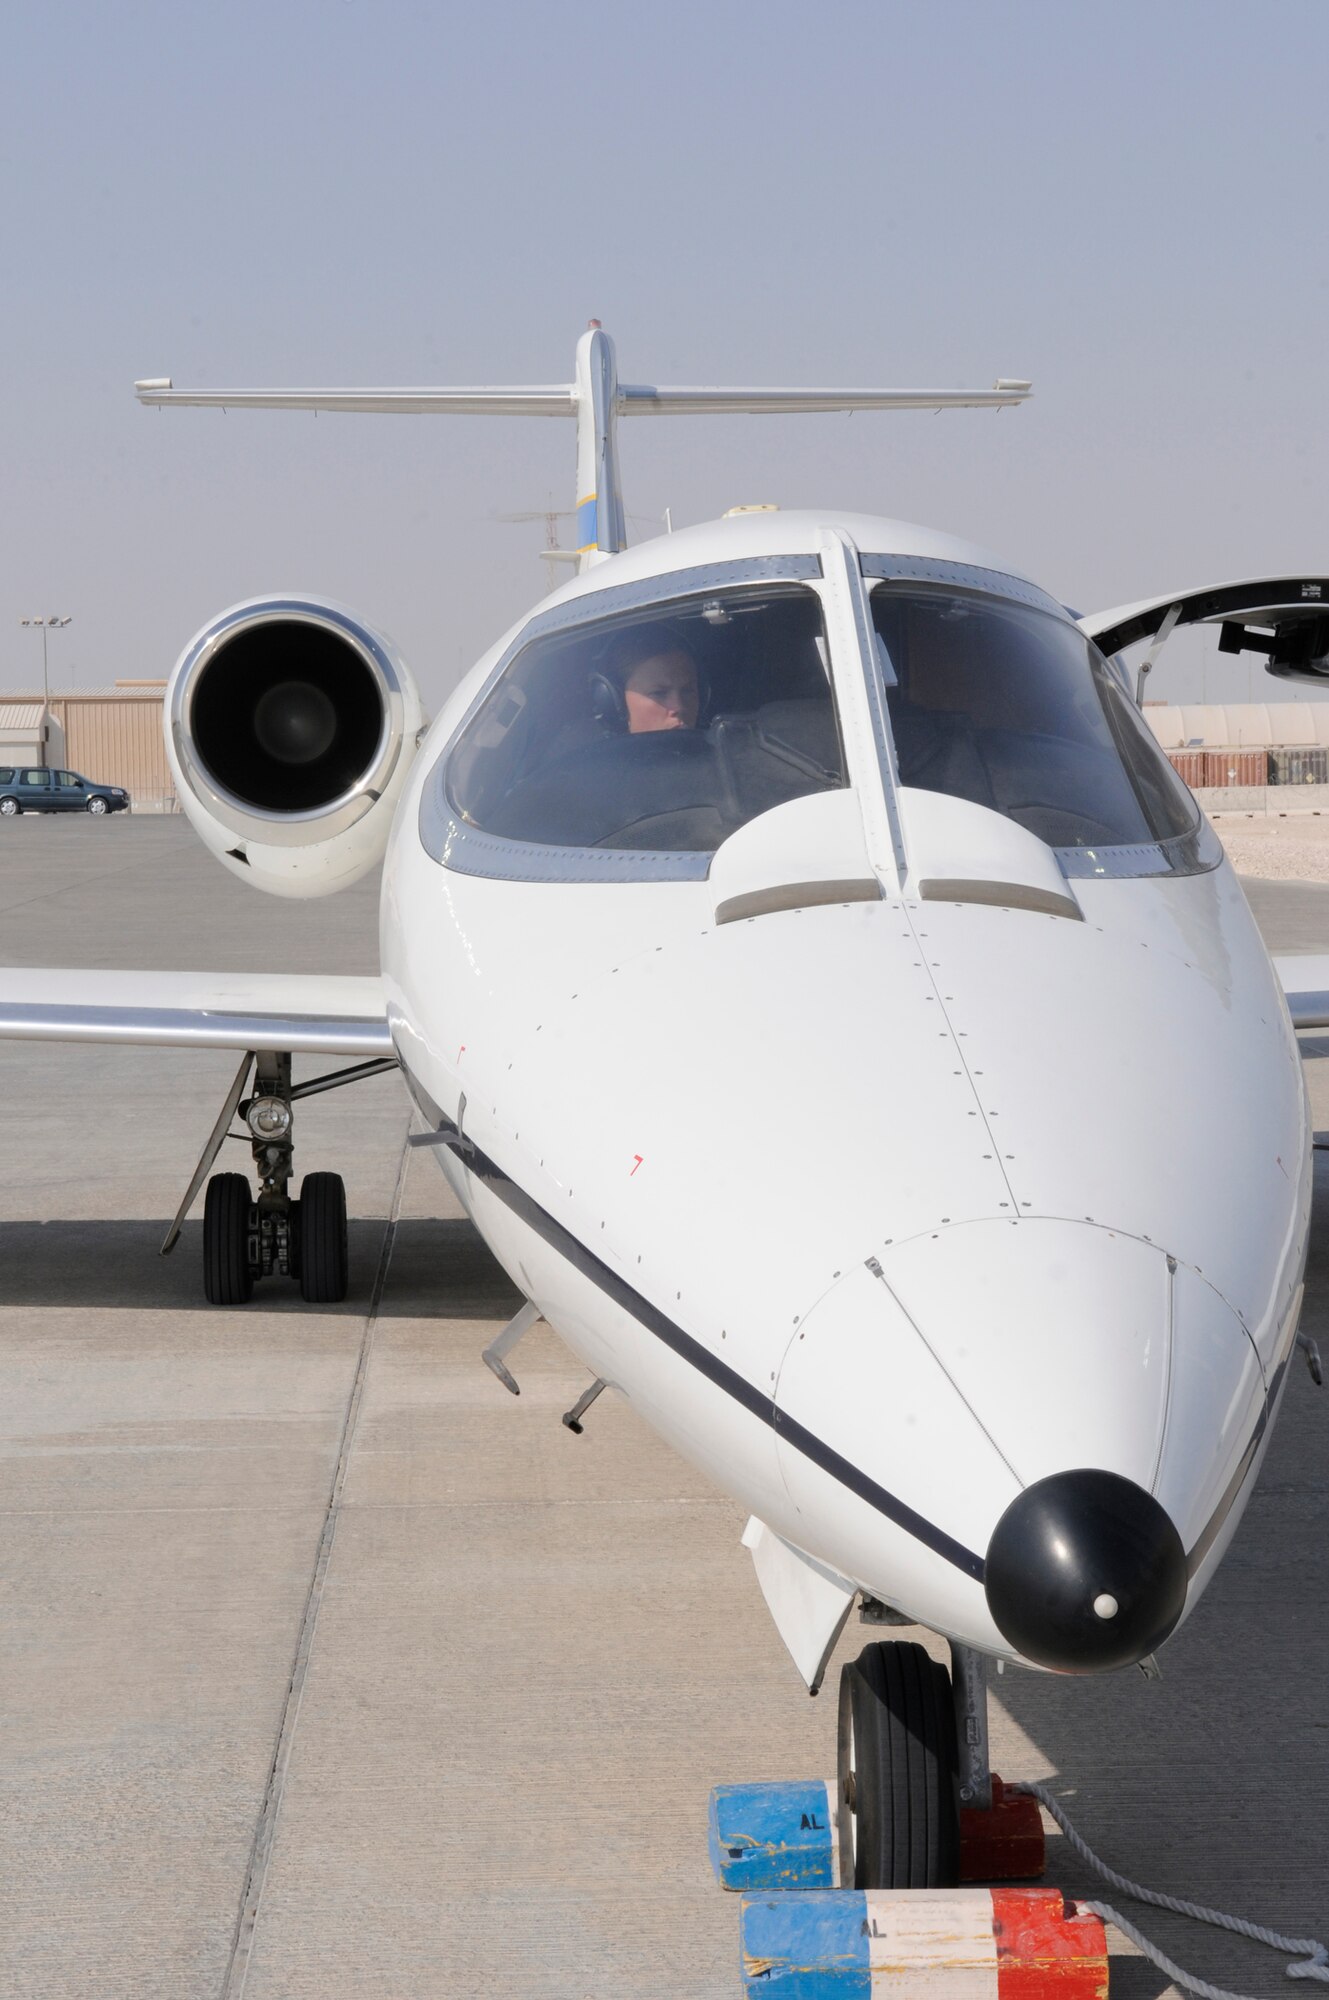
597, 399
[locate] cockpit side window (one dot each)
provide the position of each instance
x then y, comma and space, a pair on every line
1014, 709
660, 731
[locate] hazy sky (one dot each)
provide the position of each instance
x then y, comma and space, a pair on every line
1125, 202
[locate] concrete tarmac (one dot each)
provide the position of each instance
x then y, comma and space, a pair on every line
328, 1668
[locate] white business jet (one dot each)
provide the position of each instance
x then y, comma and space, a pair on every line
839, 1022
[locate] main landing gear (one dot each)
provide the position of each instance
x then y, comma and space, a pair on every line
271, 1233
912, 1748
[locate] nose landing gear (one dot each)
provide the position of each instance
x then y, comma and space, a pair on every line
899, 1774
919, 1804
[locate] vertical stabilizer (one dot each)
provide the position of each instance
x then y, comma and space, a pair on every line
600, 522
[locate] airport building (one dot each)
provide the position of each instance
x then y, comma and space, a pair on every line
24, 731
1216, 745
111, 735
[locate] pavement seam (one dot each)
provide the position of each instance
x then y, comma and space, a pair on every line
49, 895
237, 1970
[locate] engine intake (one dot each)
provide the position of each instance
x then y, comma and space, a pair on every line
290, 726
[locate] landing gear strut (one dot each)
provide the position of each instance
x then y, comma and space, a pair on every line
247, 1235
274, 1225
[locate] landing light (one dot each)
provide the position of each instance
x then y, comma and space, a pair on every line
268, 1118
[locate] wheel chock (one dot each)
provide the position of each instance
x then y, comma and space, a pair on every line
774, 1836
784, 1837
953, 1944
1003, 1842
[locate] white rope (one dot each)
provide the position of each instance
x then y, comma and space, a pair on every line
1311, 1957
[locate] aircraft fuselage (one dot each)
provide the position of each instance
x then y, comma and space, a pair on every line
883, 1204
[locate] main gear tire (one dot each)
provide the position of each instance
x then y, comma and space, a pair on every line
228, 1275
322, 1239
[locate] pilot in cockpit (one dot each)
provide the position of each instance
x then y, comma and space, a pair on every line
659, 735
649, 682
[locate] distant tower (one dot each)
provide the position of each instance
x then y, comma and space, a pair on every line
551, 554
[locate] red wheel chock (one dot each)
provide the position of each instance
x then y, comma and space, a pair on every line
1003, 1843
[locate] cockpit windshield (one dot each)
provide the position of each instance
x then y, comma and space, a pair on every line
662, 730
1014, 709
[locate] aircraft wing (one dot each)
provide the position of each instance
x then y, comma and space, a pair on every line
1305, 983
301, 1012
308, 1012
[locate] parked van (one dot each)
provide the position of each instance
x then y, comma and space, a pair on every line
56, 791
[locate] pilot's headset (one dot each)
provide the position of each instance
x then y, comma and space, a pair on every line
642, 642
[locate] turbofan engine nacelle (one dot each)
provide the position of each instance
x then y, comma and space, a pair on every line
290, 728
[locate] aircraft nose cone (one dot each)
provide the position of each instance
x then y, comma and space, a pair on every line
1085, 1572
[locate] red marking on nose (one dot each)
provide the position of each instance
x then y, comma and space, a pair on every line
637, 1158
461, 1052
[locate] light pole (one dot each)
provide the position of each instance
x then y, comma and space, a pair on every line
46, 624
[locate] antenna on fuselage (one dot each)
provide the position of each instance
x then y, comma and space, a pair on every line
597, 399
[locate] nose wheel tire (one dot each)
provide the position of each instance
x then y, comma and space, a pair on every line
322, 1238
899, 1785
228, 1277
